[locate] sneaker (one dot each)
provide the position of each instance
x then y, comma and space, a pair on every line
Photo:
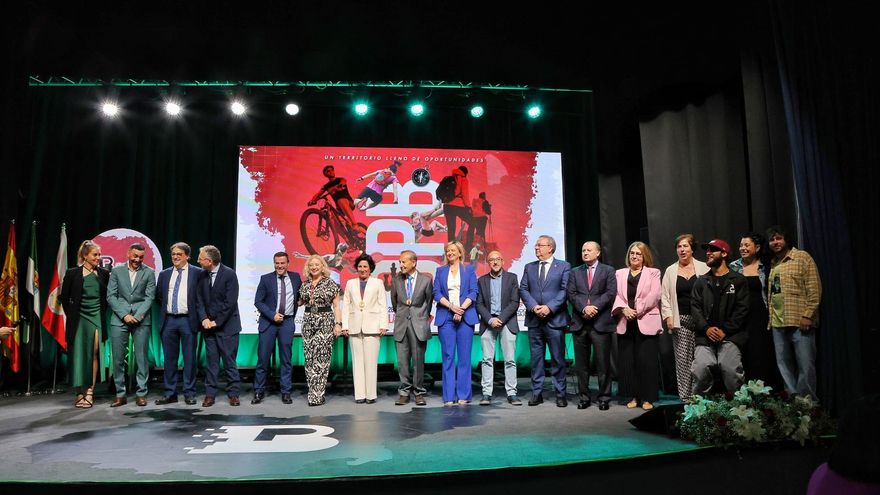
486, 400
514, 400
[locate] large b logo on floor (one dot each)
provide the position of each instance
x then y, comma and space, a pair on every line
264, 438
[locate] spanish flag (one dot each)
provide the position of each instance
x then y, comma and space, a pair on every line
9, 301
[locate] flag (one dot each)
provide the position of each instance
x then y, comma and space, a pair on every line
32, 285
9, 301
53, 316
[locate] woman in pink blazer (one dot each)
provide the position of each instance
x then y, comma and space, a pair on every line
637, 309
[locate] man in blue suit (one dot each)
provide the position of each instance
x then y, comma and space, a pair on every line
275, 300
178, 322
217, 305
592, 288
543, 291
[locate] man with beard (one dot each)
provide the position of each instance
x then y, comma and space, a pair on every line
719, 306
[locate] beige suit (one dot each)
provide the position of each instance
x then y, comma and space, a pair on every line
366, 319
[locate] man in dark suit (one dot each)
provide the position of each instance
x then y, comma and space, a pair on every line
543, 290
130, 295
412, 295
592, 288
497, 304
178, 322
217, 304
275, 300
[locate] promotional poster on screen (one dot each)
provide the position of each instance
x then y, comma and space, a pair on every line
296, 199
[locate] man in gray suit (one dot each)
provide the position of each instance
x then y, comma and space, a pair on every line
412, 295
497, 304
130, 294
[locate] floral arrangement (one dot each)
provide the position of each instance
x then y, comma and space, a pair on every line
751, 415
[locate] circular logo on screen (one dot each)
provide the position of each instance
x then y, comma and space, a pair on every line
114, 248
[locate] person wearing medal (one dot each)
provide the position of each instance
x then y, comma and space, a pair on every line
321, 324
364, 321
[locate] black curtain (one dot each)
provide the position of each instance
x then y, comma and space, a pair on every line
829, 81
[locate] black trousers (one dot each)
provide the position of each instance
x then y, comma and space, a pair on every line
602, 345
639, 370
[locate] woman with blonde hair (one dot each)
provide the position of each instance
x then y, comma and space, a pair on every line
455, 291
322, 323
84, 299
637, 307
675, 309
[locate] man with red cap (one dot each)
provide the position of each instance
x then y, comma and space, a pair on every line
719, 307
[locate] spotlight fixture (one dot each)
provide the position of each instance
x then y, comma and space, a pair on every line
109, 109
361, 109
534, 111
172, 108
238, 108
476, 111
417, 109
292, 109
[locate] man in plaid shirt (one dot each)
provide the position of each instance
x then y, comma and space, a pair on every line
794, 293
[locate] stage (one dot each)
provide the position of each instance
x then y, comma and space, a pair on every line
366, 447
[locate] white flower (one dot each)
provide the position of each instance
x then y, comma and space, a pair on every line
804, 400
749, 430
742, 412
803, 430
742, 394
757, 387
694, 411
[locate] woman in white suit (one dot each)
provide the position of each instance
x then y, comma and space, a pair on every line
364, 321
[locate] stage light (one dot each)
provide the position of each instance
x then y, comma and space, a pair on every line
534, 111
172, 108
292, 109
238, 108
109, 109
417, 109
476, 111
361, 109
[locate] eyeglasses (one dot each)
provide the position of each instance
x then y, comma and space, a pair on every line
491, 260
640, 255
542, 245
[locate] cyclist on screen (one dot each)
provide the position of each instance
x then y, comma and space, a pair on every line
337, 188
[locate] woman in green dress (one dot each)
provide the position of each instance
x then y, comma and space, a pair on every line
84, 298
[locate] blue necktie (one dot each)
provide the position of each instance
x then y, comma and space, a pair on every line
282, 303
409, 287
176, 291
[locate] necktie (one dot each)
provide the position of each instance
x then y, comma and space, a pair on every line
282, 301
590, 277
174, 294
409, 287
213, 276
543, 273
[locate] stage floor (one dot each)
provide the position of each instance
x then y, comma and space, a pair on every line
46, 439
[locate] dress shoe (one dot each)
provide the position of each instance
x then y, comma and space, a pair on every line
190, 401
208, 402
234, 401
535, 400
320, 402
632, 404
420, 400
141, 401
285, 398
170, 399
603, 405
402, 400
371, 401
514, 400
360, 401
647, 406
258, 397
561, 402
584, 404
120, 401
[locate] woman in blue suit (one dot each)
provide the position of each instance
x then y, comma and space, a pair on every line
455, 290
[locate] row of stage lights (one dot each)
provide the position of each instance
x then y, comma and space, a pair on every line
361, 109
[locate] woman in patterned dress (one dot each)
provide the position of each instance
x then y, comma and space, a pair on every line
322, 323
675, 308
84, 298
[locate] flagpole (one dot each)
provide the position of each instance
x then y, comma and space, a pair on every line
29, 345
55, 371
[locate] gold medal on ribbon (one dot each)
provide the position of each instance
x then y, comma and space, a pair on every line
409, 302
362, 305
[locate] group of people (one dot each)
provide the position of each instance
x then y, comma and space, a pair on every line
753, 318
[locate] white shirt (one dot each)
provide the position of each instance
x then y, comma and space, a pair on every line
453, 283
181, 292
288, 294
132, 274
